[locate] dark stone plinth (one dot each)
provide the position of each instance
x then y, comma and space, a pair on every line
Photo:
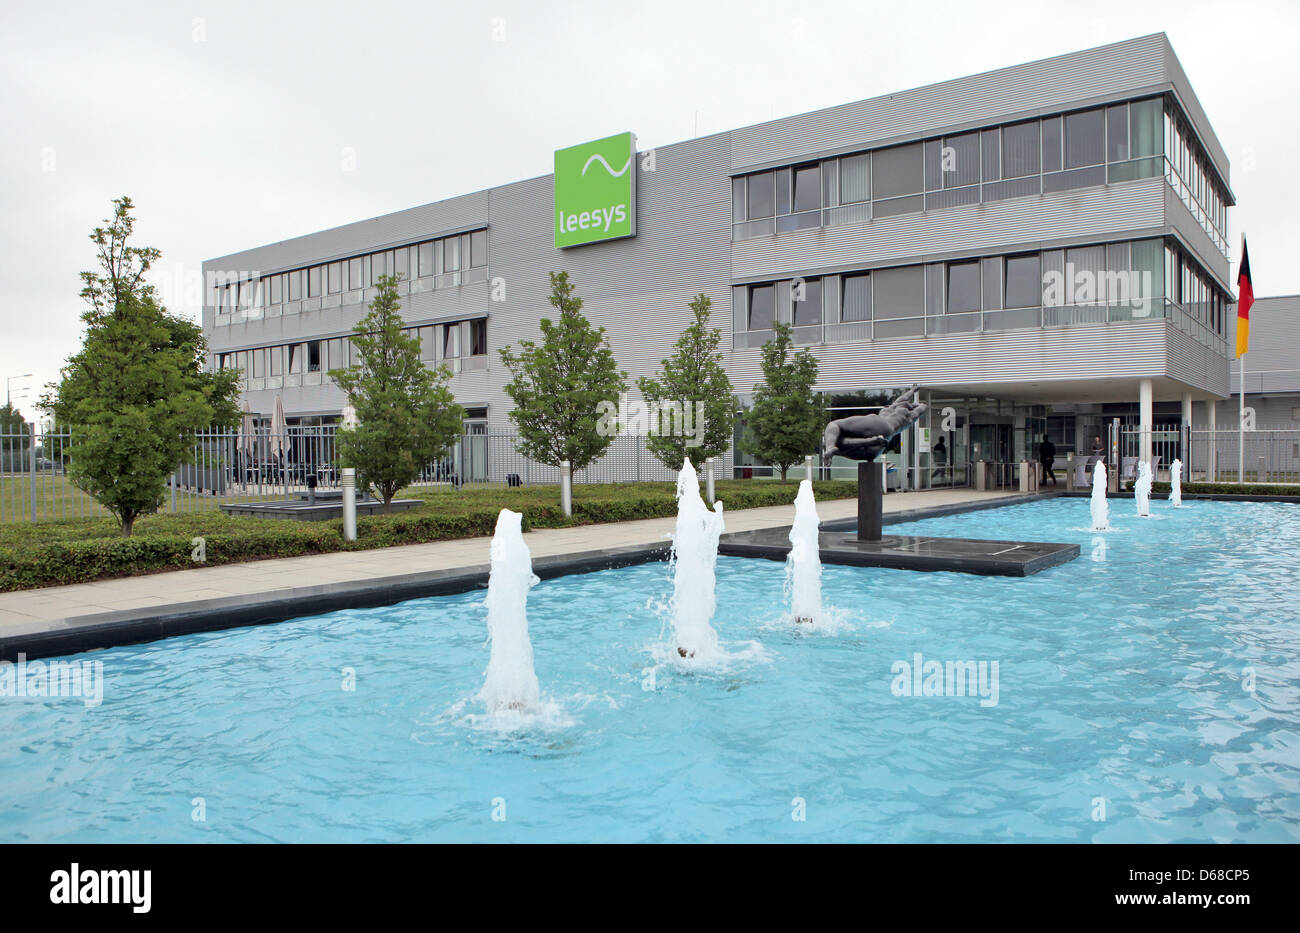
301, 510
870, 499
909, 552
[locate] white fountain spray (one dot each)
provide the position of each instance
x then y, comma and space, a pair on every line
695, 557
803, 567
511, 682
1176, 484
1100, 508
1142, 490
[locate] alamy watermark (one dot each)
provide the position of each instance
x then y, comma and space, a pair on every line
1075, 286
83, 679
665, 418
922, 678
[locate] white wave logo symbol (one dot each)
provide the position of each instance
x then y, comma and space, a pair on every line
609, 168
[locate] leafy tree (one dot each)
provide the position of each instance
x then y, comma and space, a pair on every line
558, 385
408, 416
693, 374
14, 438
786, 421
137, 391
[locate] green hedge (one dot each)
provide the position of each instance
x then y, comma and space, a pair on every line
1232, 489
77, 551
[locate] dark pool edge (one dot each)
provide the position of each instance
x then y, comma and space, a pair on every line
940, 511
134, 626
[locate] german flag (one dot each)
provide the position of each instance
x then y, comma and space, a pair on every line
1245, 298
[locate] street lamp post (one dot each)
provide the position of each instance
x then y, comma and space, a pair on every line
9, 392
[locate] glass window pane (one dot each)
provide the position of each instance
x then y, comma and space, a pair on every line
478, 247
857, 298
295, 285
807, 188
992, 270
1024, 284
1020, 149
933, 159
961, 160
277, 289
354, 273
963, 287
898, 292
451, 254
855, 185
477, 337
1052, 144
1117, 148
808, 310
783, 191
425, 258
402, 263
335, 277
896, 171
1084, 138
378, 266
761, 197
313, 282
738, 200
991, 155
762, 307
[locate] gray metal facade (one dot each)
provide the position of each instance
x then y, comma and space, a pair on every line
638, 288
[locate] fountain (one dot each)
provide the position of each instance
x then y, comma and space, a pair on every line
1142, 489
511, 682
695, 554
1176, 484
1100, 508
803, 566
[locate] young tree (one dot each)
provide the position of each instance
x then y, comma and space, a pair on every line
15, 440
408, 417
693, 377
558, 385
137, 391
786, 421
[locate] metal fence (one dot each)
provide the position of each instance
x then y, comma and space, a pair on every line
233, 466
1272, 454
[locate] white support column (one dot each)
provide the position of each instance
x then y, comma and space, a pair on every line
1212, 458
1144, 420
1187, 408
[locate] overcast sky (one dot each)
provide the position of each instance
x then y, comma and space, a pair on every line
236, 124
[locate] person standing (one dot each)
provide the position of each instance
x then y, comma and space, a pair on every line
1047, 456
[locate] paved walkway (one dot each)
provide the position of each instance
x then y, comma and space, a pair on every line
40, 609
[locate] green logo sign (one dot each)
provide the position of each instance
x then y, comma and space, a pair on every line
595, 191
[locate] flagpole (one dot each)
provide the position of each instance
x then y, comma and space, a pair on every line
1241, 404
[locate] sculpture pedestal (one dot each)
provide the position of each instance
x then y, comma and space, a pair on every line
870, 507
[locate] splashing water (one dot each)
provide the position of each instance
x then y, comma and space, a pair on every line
510, 682
1142, 489
1176, 484
803, 567
695, 555
1100, 508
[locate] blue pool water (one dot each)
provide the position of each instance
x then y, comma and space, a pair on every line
1121, 713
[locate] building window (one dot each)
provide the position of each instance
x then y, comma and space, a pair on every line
964, 293
898, 301
856, 305
807, 300
897, 180
1024, 282
451, 254
478, 245
855, 179
313, 356
295, 285
355, 280
402, 263
478, 337
762, 307
761, 201
313, 282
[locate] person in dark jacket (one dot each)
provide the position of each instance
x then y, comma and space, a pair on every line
1047, 456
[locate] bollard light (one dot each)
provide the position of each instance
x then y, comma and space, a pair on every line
349, 482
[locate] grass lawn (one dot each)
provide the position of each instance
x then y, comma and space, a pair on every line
73, 551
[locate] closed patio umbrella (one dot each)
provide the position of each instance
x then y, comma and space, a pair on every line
245, 442
279, 429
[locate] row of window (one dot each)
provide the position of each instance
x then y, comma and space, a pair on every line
461, 345
1088, 284
1096, 146
1188, 170
444, 256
